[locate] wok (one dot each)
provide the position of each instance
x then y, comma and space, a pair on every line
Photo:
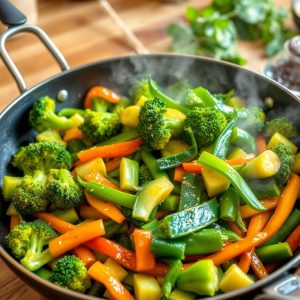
119, 74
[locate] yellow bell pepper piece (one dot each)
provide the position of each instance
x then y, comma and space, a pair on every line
50, 135
173, 147
173, 113
234, 278
141, 101
146, 287
296, 164
236, 152
181, 295
278, 138
129, 116
115, 269
94, 164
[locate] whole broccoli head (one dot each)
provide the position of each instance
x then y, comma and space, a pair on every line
141, 88
207, 123
71, 273
42, 156
29, 196
282, 126
62, 190
155, 126
42, 116
100, 126
27, 242
251, 119
286, 157
144, 175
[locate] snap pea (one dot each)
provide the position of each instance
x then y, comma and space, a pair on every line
170, 278
190, 220
243, 139
264, 188
170, 204
129, 174
177, 159
274, 252
234, 177
167, 248
107, 193
229, 205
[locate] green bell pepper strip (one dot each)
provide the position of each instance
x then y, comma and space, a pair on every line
129, 174
275, 252
43, 273
191, 191
170, 278
69, 215
170, 204
151, 195
125, 136
112, 228
201, 278
151, 225
264, 188
243, 139
168, 101
221, 145
190, 220
203, 242
239, 222
229, 236
70, 111
233, 176
150, 161
229, 205
292, 222
167, 248
107, 193
177, 159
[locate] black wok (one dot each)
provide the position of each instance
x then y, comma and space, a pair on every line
119, 74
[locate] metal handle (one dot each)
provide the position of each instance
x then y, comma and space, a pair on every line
43, 37
10, 15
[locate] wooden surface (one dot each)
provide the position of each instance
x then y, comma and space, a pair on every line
84, 33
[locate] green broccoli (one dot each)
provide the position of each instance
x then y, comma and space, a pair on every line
71, 273
155, 127
191, 100
62, 190
179, 89
100, 126
282, 126
29, 196
42, 156
144, 175
207, 123
286, 157
251, 119
141, 88
117, 108
42, 116
27, 242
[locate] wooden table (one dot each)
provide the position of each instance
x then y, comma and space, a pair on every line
84, 33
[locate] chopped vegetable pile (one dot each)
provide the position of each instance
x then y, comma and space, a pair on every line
146, 197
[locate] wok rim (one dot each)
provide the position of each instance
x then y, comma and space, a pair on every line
11, 262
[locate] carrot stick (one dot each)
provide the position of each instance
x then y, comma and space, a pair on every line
178, 174
100, 273
269, 203
73, 134
88, 212
102, 93
145, 260
110, 151
113, 164
55, 222
294, 239
105, 208
235, 229
85, 254
14, 221
245, 261
161, 213
194, 167
261, 144
237, 248
257, 266
73, 238
285, 205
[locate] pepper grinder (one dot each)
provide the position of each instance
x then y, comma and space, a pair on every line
285, 66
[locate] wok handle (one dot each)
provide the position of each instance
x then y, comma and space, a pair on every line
10, 15
43, 37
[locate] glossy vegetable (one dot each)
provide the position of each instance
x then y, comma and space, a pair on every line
274, 252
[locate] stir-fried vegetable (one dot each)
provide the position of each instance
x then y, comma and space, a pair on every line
156, 188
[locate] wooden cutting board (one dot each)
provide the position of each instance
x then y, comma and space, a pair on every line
84, 33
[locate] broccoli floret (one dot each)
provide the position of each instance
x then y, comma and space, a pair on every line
191, 100
251, 119
144, 175
71, 273
27, 242
42, 156
42, 116
117, 108
286, 157
155, 127
141, 88
29, 196
62, 190
207, 123
100, 126
282, 126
